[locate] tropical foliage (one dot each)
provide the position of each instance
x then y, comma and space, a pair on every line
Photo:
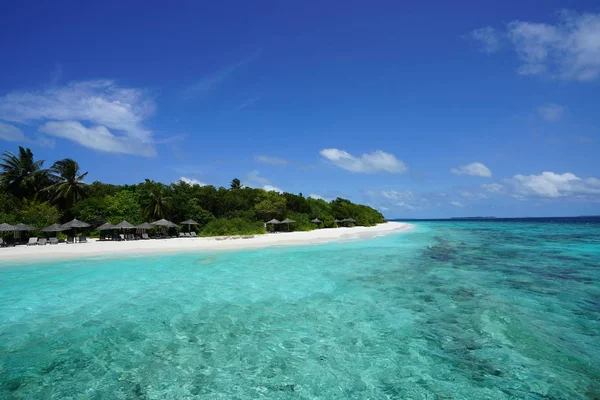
33, 195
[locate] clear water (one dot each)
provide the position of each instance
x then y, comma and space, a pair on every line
461, 310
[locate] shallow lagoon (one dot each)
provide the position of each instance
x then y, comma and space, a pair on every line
456, 310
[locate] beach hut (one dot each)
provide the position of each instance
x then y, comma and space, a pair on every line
22, 228
288, 222
105, 227
189, 223
141, 228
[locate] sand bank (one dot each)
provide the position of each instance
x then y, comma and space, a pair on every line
105, 248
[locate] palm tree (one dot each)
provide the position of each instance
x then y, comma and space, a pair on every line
157, 203
68, 186
21, 175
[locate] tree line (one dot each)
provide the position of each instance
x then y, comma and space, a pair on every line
33, 195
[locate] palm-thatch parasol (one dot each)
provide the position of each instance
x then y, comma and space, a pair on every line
351, 220
52, 228
145, 225
189, 223
273, 221
164, 223
24, 227
4, 227
106, 226
74, 224
316, 221
124, 225
288, 222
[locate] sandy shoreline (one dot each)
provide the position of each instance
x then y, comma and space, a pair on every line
138, 247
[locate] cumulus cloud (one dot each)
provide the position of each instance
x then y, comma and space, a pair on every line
553, 185
568, 49
271, 160
473, 169
456, 204
494, 188
271, 188
398, 195
551, 112
97, 114
365, 163
489, 39
191, 181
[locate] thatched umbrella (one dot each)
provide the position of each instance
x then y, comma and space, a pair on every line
288, 222
272, 222
164, 224
189, 223
52, 228
106, 226
352, 220
141, 228
74, 224
21, 228
4, 227
124, 225
316, 221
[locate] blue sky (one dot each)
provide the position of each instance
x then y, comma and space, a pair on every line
457, 109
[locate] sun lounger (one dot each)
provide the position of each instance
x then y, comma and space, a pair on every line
71, 239
187, 234
2, 243
181, 234
193, 234
32, 241
42, 242
82, 239
121, 236
53, 240
145, 236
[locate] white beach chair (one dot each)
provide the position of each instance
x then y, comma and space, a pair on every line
32, 241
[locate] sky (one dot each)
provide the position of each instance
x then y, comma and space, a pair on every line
461, 108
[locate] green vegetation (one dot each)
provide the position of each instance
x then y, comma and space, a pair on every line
33, 195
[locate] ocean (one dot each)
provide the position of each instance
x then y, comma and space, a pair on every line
451, 310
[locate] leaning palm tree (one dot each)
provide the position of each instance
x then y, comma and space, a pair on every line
157, 203
21, 175
68, 186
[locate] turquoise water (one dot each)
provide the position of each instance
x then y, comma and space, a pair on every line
461, 310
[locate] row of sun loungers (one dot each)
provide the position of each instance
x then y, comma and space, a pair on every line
34, 241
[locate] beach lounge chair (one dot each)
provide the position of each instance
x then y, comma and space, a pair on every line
181, 234
145, 236
42, 241
71, 239
53, 240
121, 236
82, 239
32, 241
193, 234
186, 234
2, 244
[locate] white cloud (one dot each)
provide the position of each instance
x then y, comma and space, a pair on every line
11, 133
271, 188
494, 188
552, 185
271, 160
473, 169
551, 112
395, 195
568, 49
456, 204
489, 39
382, 208
191, 181
406, 205
96, 114
366, 163
471, 195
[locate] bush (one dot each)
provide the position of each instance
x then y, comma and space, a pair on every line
233, 226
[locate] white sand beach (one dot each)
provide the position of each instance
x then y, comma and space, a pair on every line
103, 248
